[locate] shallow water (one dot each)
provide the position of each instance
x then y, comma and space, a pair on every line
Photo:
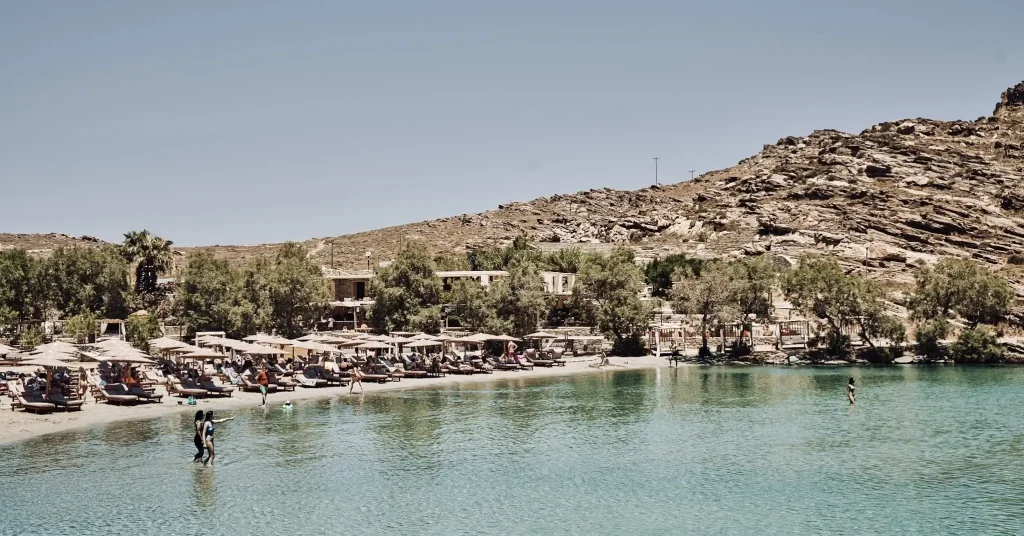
671, 451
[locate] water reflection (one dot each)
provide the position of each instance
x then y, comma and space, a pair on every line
204, 486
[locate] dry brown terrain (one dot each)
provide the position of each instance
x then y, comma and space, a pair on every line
884, 200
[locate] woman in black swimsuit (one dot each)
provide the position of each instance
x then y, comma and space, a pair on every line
197, 427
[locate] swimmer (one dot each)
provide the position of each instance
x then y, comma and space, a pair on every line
208, 435
851, 392
287, 405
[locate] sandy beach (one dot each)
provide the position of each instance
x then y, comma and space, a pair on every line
21, 425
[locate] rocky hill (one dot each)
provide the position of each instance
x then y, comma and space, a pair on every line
893, 196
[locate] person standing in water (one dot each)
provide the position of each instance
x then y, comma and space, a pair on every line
208, 435
197, 427
851, 392
264, 382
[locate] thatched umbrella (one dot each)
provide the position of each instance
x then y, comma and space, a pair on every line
49, 361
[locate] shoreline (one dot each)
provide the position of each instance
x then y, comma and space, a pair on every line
17, 426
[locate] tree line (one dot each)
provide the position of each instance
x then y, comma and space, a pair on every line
284, 292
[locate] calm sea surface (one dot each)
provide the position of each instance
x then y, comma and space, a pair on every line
672, 451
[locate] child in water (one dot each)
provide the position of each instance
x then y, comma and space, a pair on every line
287, 405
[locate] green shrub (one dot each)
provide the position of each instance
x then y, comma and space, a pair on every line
1015, 259
629, 347
977, 346
81, 327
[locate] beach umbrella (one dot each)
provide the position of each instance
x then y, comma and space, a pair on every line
164, 343
56, 346
424, 344
424, 337
126, 358
540, 335
476, 338
402, 340
48, 361
4, 350
45, 361
203, 354
373, 345
55, 354
503, 338
259, 349
309, 337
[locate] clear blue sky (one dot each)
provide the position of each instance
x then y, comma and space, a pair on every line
246, 122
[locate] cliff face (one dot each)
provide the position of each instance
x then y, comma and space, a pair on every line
893, 196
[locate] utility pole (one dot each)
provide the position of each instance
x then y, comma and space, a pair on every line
691, 174
656, 170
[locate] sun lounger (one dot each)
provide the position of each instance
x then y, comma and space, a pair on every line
214, 388
58, 399
175, 387
117, 393
35, 406
281, 383
250, 384
524, 363
415, 373
309, 379
144, 394
555, 355
502, 366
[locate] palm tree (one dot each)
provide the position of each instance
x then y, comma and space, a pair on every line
150, 254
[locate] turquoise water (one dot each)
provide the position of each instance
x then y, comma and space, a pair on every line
672, 451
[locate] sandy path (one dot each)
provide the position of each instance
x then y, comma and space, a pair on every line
20, 425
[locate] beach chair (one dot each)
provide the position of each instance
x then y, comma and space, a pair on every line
144, 394
34, 406
214, 388
117, 393
250, 384
57, 399
281, 383
176, 388
501, 366
524, 363
555, 355
310, 379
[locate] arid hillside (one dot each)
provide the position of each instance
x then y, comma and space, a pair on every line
884, 200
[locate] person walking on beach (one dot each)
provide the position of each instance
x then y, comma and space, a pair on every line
357, 377
851, 392
264, 382
208, 435
197, 427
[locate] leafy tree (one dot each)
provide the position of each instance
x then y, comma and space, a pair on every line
517, 300
150, 254
820, 287
31, 336
612, 284
427, 320
402, 289
567, 260
298, 294
82, 326
710, 294
929, 336
756, 277
977, 346
469, 304
500, 258
659, 272
961, 287
253, 296
87, 280
452, 262
206, 297
22, 295
141, 329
